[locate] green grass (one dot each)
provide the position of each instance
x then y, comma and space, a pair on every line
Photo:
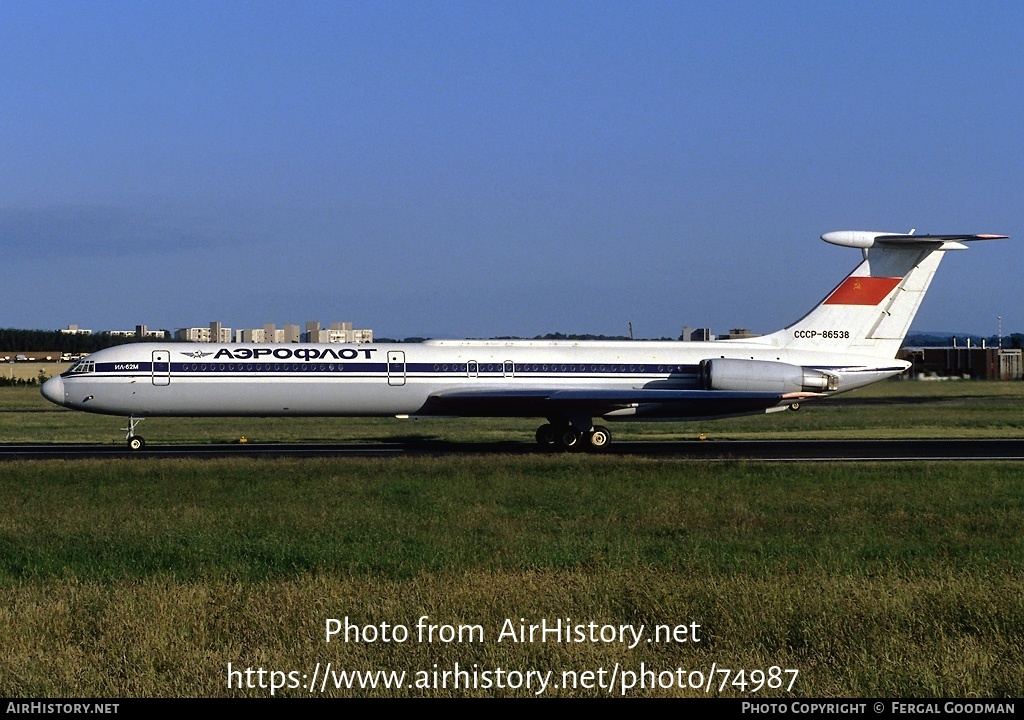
147, 578
130, 577
251, 520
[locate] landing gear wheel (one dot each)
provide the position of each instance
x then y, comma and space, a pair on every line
135, 442
599, 437
568, 439
546, 435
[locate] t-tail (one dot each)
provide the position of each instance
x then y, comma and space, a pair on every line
870, 311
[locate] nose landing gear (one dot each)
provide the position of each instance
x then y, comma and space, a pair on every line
135, 442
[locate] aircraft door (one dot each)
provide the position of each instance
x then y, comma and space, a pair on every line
396, 367
161, 367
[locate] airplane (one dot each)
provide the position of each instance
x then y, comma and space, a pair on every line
849, 340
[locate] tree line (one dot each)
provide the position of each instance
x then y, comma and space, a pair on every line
36, 340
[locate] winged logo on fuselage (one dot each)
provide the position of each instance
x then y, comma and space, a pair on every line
197, 354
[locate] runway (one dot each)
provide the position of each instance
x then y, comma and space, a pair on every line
708, 450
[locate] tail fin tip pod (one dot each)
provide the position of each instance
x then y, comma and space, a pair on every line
870, 311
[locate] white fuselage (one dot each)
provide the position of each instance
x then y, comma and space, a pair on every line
168, 379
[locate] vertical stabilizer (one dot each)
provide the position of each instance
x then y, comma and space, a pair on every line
870, 311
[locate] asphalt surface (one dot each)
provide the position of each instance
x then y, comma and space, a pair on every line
775, 450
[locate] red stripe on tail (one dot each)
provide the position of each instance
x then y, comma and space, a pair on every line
862, 291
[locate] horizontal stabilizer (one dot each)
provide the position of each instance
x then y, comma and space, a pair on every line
921, 239
867, 238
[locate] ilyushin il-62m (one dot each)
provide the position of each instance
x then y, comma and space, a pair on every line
848, 341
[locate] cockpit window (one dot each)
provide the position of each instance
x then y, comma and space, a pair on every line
83, 366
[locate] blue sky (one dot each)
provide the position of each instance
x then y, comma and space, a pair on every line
483, 168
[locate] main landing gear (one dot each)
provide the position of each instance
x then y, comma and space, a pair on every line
565, 436
135, 442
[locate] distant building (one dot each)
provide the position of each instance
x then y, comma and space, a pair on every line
977, 363
343, 332
193, 334
292, 334
255, 335
213, 333
271, 334
141, 331
737, 333
339, 332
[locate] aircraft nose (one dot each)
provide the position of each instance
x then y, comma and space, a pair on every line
53, 390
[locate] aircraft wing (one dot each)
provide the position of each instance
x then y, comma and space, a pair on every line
544, 402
